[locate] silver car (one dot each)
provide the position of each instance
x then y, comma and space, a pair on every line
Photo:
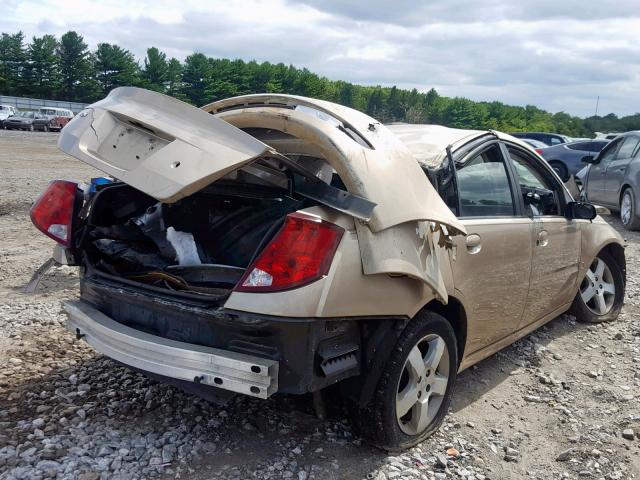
613, 178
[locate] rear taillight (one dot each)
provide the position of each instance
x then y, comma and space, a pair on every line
300, 253
538, 151
52, 213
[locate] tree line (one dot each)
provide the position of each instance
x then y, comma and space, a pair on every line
66, 69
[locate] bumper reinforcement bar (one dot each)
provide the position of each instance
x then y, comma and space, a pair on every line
237, 372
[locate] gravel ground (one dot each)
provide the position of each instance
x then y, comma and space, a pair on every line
563, 402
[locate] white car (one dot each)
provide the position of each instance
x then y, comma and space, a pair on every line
5, 112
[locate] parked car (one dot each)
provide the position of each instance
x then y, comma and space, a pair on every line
22, 121
566, 158
534, 143
607, 136
613, 178
45, 123
5, 112
549, 139
55, 119
273, 243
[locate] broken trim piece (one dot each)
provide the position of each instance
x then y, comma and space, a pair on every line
237, 372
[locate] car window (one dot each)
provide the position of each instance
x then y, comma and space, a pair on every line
627, 148
541, 195
554, 140
609, 152
483, 186
585, 146
597, 146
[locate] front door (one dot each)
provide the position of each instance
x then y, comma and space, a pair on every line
492, 264
617, 167
596, 181
556, 250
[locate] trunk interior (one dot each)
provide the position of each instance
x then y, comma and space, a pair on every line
199, 245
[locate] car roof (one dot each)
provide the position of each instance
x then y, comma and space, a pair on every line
428, 143
540, 133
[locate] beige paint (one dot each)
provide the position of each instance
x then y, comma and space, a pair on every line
366, 172
346, 291
169, 150
493, 276
157, 144
394, 264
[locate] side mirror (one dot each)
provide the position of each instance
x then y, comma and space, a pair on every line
588, 159
582, 211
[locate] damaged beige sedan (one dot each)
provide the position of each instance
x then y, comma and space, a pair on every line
273, 243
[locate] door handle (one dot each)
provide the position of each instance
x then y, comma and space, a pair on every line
474, 243
543, 238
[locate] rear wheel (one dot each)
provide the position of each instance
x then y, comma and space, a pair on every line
601, 292
416, 385
628, 215
560, 169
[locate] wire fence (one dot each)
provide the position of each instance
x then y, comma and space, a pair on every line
24, 103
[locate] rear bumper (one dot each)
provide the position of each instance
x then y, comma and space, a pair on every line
312, 353
233, 371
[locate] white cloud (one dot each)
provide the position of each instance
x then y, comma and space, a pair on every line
556, 55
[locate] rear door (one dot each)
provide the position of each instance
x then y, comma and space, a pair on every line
596, 181
617, 168
556, 250
492, 264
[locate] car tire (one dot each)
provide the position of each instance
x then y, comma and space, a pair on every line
410, 371
628, 214
560, 169
601, 293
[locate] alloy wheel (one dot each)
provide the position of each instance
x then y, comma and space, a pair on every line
625, 208
423, 384
598, 289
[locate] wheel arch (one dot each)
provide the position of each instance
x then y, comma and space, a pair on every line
616, 251
456, 315
624, 186
382, 338
561, 162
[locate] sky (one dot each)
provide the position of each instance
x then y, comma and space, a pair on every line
559, 55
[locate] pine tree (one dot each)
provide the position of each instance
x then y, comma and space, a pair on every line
155, 71
77, 75
12, 61
41, 73
115, 67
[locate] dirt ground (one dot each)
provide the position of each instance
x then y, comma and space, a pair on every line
552, 406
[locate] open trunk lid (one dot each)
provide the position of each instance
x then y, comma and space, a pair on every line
157, 144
